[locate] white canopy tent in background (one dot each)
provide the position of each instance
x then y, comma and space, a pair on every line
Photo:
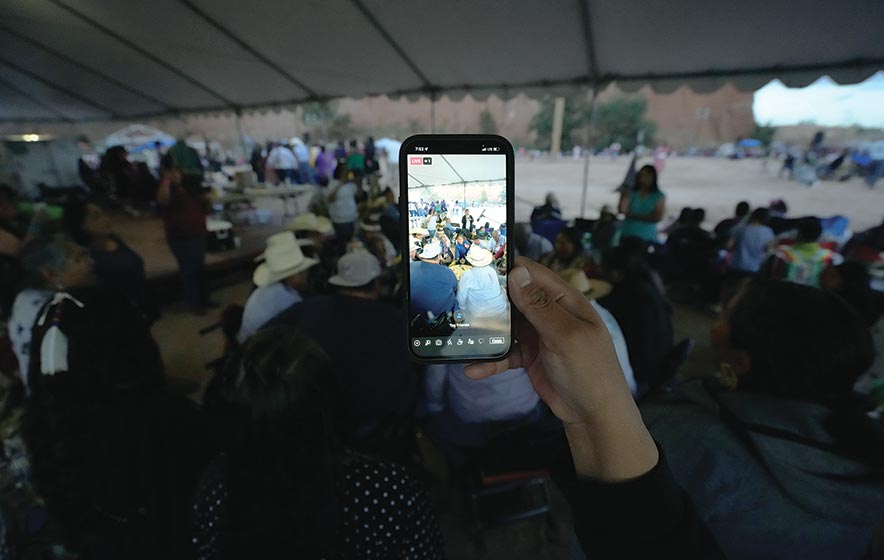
73, 60
136, 137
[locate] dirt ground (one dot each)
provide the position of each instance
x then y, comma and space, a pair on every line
711, 183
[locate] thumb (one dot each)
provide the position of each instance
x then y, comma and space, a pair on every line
537, 302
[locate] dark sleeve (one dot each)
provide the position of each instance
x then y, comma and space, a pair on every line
209, 512
648, 517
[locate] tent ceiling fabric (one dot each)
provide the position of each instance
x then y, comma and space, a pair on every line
105, 59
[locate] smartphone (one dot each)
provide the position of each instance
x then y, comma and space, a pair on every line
456, 199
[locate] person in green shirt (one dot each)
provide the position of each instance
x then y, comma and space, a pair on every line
356, 163
644, 206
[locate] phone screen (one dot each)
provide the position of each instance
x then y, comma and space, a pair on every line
458, 204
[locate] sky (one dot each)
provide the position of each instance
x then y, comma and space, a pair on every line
824, 102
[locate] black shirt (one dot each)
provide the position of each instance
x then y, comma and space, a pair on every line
386, 513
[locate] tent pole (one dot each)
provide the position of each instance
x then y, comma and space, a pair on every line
588, 148
240, 133
432, 112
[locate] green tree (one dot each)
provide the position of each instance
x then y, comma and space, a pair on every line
620, 120
764, 132
575, 119
487, 125
483, 197
340, 127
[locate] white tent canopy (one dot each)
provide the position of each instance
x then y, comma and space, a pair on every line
136, 136
104, 59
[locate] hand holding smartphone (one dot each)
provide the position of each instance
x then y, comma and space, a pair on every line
457, 209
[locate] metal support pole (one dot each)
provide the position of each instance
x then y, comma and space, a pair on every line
432, 112
555, 148
588, 148
241, 134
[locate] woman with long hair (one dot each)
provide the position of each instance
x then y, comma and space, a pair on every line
286, 487
644, 206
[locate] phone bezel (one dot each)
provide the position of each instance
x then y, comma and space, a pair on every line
463, 144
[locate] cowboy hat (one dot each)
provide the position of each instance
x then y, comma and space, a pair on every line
477, 256
356, 269
371, 223
282, 258
311, 222
431, 251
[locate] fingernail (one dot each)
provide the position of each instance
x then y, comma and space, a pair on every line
520, 276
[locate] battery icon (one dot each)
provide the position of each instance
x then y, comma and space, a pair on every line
496, 340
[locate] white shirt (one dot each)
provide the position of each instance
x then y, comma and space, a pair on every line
497, 245
25, 309
619, 345
264, 304
343, 209
302, 153
431, 223
281, 158
505, 396
479, 292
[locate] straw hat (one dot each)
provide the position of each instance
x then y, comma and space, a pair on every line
431, 251
311, 222
282, 258
477, 256
356, 269
371, 223
417, 231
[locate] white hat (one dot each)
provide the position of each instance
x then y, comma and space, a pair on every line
356, 269
311, 222
478, 256
417, 231
431, 251
282, 258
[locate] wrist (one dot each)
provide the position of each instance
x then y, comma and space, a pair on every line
612, 445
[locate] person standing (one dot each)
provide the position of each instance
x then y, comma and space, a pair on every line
356, 163
302, 154
342, 207
324, 167
257, 161
371, 167
467, 221
183, 209
282, 161
644, 206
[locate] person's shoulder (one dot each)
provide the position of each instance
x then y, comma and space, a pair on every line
369, 470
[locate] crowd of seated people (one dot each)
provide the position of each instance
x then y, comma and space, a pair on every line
305, 444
